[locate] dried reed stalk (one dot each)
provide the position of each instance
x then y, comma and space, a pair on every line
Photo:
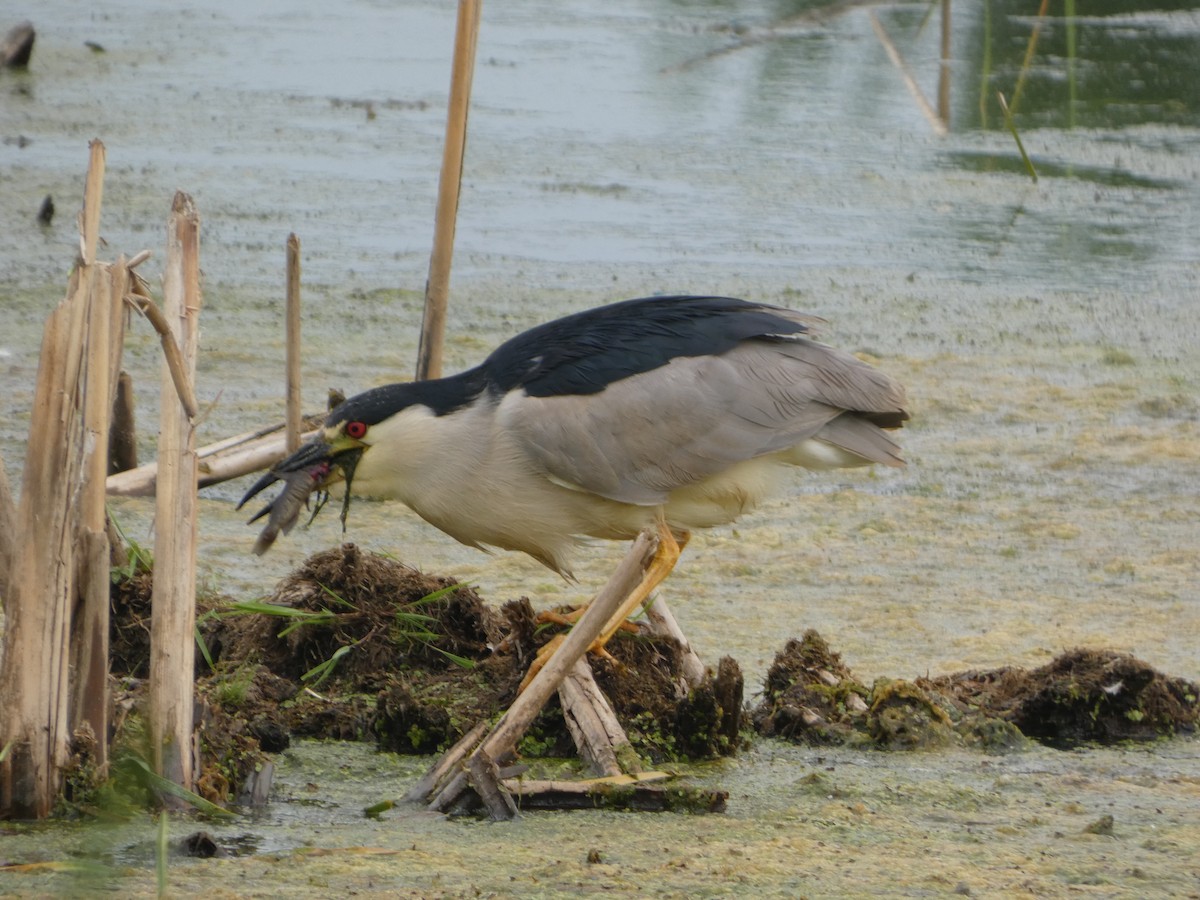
228, 458
437, 287
935, 121
293, 415
107, 286
57, 586
944, 66
500, 743
172, 643
8, 526
34, 698
599, 737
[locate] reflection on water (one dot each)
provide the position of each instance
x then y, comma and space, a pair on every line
1118, 64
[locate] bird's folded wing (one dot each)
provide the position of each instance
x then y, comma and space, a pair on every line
649, 434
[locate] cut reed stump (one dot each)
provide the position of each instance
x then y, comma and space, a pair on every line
293, 419
122, 438
172, 630
599, 737
53, 676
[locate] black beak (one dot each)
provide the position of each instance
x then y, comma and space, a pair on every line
309, 470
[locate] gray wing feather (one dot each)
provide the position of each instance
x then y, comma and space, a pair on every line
649, 434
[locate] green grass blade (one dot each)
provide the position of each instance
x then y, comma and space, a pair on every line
203, 645
1012, 128
160, 854
166, 786
324, 670
460, 661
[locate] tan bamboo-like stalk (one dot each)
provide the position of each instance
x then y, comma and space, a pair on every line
172, 642
229, 458
663, 621
42, 587
8, 526
598, 735
89, 652
93, 196
501, 741
944, 67
294, 416
914, 89
33, 678
437, 287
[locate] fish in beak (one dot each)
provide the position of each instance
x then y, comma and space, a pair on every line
314, 468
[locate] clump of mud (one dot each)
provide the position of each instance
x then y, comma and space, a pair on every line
354, 645
1097, 696
413, 661
1081, 696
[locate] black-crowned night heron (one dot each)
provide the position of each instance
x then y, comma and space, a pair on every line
671, 412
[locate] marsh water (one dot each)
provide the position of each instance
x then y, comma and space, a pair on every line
1047, 333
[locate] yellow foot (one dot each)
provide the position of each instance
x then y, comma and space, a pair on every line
567, 619
548, 650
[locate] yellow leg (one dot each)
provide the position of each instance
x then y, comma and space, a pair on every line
670, 547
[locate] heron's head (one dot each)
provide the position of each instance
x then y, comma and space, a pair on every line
332, 456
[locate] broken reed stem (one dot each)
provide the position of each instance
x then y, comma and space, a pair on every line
1030, 48
525, 709
451, 760
985, 66
944, 66
93, 196
171, 353
599, 737
437, 286
228, 458
663, 621
38, 593
935, 122
293, 415
173, 601
54, 666
106, 286
8, 528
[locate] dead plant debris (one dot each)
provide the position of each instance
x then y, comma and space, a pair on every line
355, 645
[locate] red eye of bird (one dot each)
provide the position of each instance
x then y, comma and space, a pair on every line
356, 429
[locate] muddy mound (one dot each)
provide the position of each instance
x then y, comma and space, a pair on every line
354, 645
1097, 696
1081, 696
360, 616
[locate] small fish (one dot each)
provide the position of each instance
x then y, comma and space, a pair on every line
311, 469
284, 511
